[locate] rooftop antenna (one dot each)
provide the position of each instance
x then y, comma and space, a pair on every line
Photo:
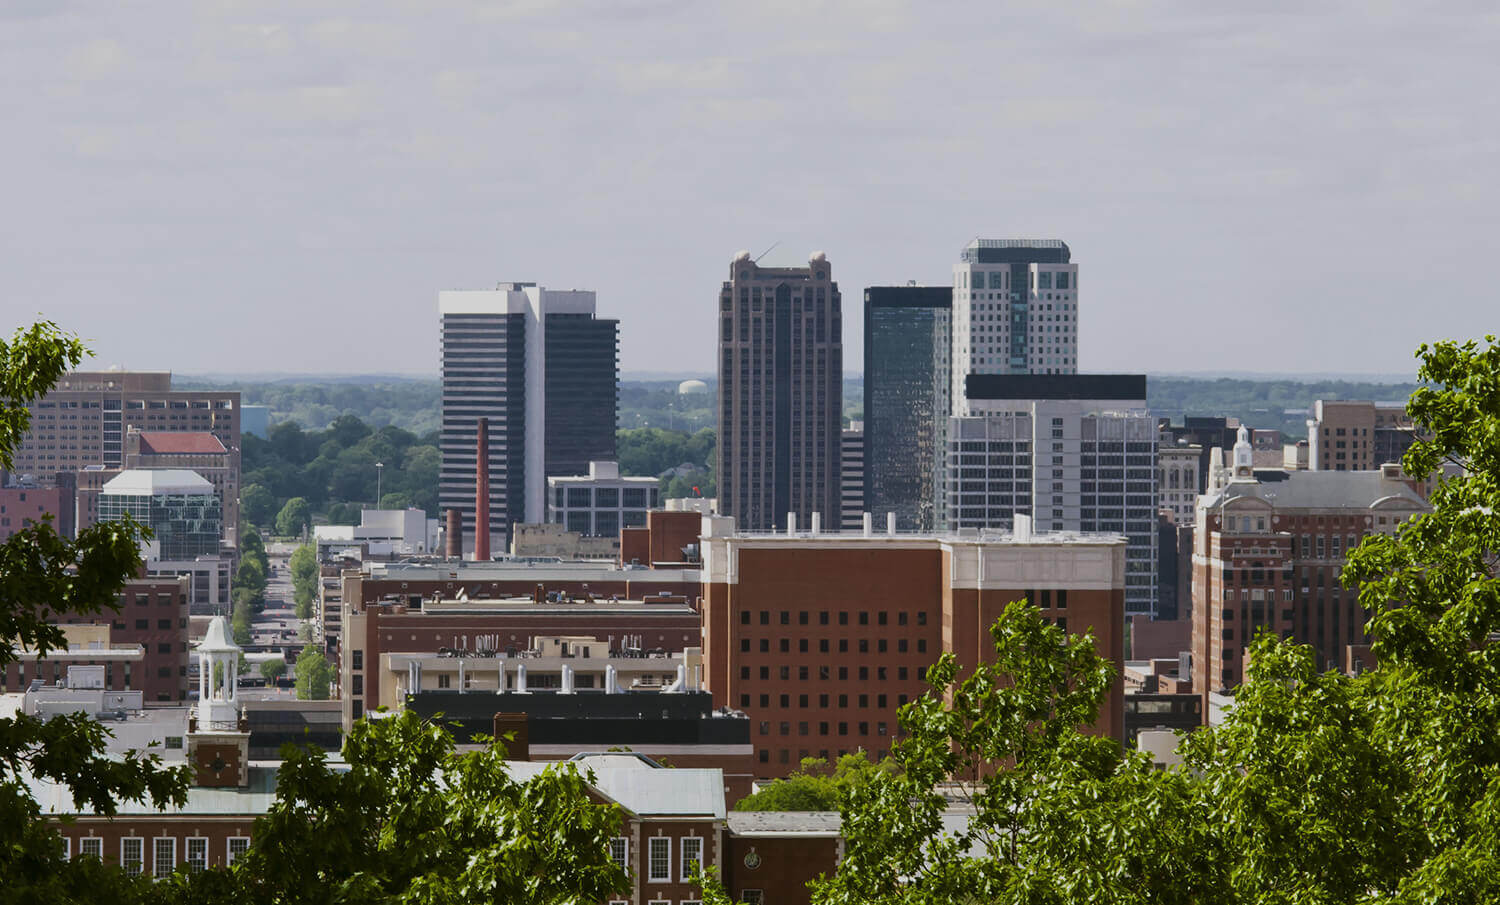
767, 251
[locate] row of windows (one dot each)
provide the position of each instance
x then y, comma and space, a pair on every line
823, 728
163, 852
804, 617
659, 857
825, 673
881, 701
803, 645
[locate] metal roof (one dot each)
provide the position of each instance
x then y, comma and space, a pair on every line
1323, 490
153, 481
785, 823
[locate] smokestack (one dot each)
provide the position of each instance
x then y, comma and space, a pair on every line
454, 546
482, 493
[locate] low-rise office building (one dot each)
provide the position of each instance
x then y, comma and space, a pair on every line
601, 502
459, 619
820, 637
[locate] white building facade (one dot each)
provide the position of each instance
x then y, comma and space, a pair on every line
1015, 311
1076, 453
601, 502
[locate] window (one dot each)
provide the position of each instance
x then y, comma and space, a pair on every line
132, 853
359, 659
619, 852
660, 859
197, 854
91, 845
752, 897
692, 854
238, 845
163, 856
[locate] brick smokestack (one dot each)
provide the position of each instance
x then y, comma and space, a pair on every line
454, 548
482, 493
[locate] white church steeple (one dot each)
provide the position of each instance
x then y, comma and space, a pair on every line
1244, 456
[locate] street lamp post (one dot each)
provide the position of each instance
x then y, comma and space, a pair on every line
379, 470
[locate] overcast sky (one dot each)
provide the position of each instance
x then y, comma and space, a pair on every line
233, 187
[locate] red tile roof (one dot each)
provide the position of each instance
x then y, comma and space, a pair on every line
179, 443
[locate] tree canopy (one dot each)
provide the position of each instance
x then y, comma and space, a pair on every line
813, 786
304, 567
42, 576
1316, 787
314, 675
294, 517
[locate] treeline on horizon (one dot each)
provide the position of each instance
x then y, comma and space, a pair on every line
334, 469
327, 436
414, 405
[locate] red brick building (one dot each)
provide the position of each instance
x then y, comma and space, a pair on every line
153, 614
20, 506
1268, 550
423, 609
660, 542
820, 638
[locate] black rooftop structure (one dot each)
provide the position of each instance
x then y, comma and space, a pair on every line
592, 720
1055, 386
1016, 251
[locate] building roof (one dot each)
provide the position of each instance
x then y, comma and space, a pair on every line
644, 789
152, 481
784, 823
1055, 386
180, 443
217, 639
1323, 490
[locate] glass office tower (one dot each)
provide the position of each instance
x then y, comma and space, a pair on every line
906, 348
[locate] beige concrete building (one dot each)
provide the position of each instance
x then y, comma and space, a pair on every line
1355, 436
83, 420
555, 540
1177, 478
781, 358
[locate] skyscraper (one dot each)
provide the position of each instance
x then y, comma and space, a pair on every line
1076, 452
544, 370
906, 399
780, 393
1015, 311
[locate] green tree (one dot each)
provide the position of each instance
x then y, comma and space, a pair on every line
347, 835
251, 576
271, 670
1316, 787
813, 787
257, 505
1060, 815
314, 675
41, 574
304, 566
243, 606
295, 516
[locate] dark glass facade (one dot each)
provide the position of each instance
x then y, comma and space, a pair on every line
906, 338
484, 375
583, 380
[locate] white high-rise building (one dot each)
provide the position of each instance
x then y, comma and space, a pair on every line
544, 371
1015, 311
1075, 452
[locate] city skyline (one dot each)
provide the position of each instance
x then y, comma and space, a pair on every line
329, 170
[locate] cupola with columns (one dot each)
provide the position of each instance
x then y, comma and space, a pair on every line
218, 739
